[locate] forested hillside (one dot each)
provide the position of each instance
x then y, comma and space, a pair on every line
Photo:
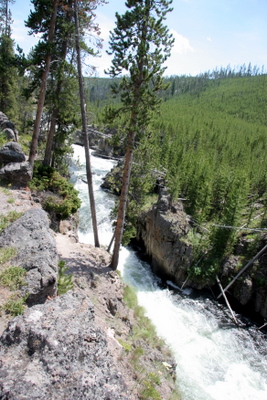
210, 138
213, 147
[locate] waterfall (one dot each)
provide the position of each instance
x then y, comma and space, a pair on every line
215, 360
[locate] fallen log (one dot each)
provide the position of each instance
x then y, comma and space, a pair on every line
243, 270
226, 300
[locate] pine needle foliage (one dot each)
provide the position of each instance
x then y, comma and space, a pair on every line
140, 44
65, 282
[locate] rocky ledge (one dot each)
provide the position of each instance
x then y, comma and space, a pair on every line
66, 347
55, 351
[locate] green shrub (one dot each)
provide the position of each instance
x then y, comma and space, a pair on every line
64, 199
64, 280
149, 391
127, 346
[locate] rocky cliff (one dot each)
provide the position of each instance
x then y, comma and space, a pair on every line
164, 230
161, 230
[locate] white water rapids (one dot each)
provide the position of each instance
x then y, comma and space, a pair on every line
215, 360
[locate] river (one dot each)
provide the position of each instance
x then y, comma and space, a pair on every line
215, 360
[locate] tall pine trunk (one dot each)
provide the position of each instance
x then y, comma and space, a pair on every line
123, 200
41, 100
55, 112
85, 133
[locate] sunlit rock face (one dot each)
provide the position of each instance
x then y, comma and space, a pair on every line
35, 245
55, 351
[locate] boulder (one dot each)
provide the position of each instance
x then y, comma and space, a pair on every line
11, 152
36, 252
9, 134
18, 173
3, 117
8, 127
55, 351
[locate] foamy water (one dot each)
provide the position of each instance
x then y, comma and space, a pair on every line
215, 360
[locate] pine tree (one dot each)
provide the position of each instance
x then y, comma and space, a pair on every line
5, 17
8, 70
41, 99
140, 45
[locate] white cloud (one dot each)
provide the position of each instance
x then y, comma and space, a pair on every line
106, 25
209, 39
181, 44
21, 36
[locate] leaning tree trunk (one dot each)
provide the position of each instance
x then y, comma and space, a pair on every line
123, 200
50, 138
85, 133
41, 100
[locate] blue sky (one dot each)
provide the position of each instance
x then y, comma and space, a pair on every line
208, 33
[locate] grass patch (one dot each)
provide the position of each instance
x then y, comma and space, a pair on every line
6, 191
15, 305
7, 253
150, 391
13, 277
127, 346
6, 220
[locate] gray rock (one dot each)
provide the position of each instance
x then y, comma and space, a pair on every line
8, 127
243, 290
9, 134
54, 351
36, 252
11, 152
162, 232
18, 173
3, 117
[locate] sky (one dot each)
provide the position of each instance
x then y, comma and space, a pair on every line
208, 34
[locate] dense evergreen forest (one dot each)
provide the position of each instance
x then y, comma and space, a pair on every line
213, 143
209, 139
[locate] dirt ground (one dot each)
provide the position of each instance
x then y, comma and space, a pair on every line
89, 268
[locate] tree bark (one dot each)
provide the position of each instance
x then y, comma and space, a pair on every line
55, 112
41, 100
85, 133
123, 200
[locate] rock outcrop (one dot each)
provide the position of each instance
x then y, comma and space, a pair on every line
55, 351
8, 128
162, 231
101, 142
36, 250
11, 152
15, 169
17, 173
